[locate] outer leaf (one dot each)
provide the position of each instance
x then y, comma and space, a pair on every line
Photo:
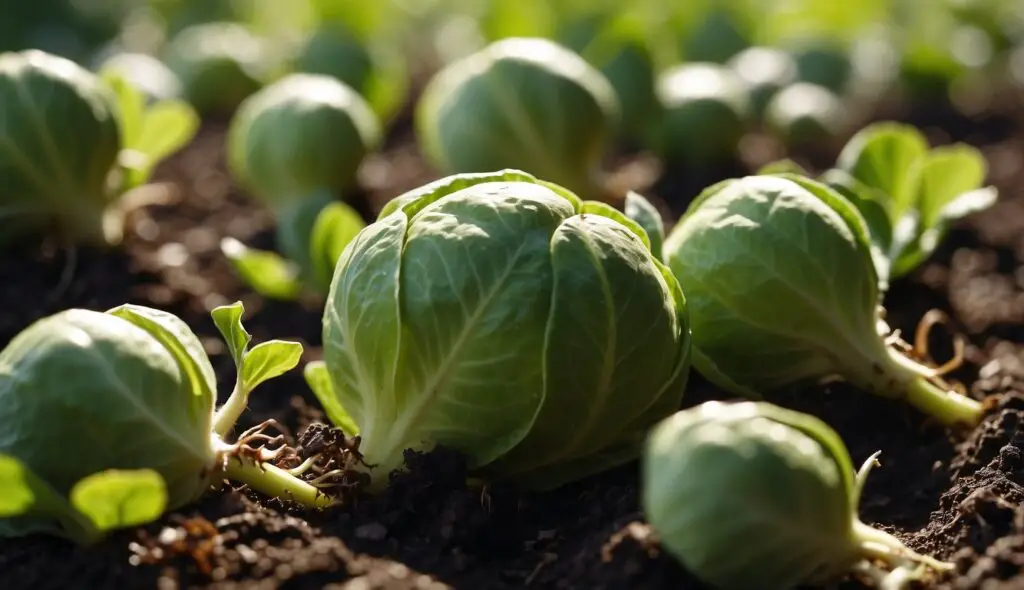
267, 272
319, 381
418, 198
783, 166
336, 226
228, 319
611, 346
640, 210
606, 210
885, 156
184, 346
268, 360
119, 499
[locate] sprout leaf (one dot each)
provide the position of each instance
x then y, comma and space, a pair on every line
115, 499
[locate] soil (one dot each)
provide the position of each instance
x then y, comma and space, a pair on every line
956, 495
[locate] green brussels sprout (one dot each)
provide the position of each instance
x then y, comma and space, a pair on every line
765, 71
147, 73
374, 69
617, 46
782, 288
109, 419
750, 496
805, 114
525, 103
824, 64
297, 145
704, 113
301, 134
485, 313
59, 144
219, 64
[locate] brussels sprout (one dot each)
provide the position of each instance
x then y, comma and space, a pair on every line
824, 64
908, 193
617, 46
485, 313
70, 147
765, 71
705, 111
750, 496
132, 392
719, 37
805, 114
524, 103
374, 69
782, 289
219, 64
145, 72
297, 144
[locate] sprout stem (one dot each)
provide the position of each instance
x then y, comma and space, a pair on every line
901, 377
275, 482
226, 416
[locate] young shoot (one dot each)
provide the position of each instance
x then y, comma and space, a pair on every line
108, 421
909, 193
750, 496
76, 145
525, 103
484, 312
704, 112
782, 288
297, 146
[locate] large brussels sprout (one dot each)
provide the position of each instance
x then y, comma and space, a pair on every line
780, 278
59, 142
750, 496
704, 113
502, 316
525, 103
107, 419
219, 63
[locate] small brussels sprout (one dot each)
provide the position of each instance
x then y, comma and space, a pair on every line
750, 496
765, 71
109, 421
219, 64
301, 134
297, 145
485, 312
824, 64
525, 103
147, 73
617, 46
374, 69
782, 288
805, 114
74, 143
704, 113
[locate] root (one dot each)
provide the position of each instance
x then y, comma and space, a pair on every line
924, 328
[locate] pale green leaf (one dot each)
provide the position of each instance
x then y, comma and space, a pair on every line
886, 156
319, 381
18, 487
120, 498
130, 105
165, 128
268, 360
335, 227
228, 319
947, 173
266, 272
606, 210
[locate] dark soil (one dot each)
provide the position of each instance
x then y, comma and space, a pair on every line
955, 495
